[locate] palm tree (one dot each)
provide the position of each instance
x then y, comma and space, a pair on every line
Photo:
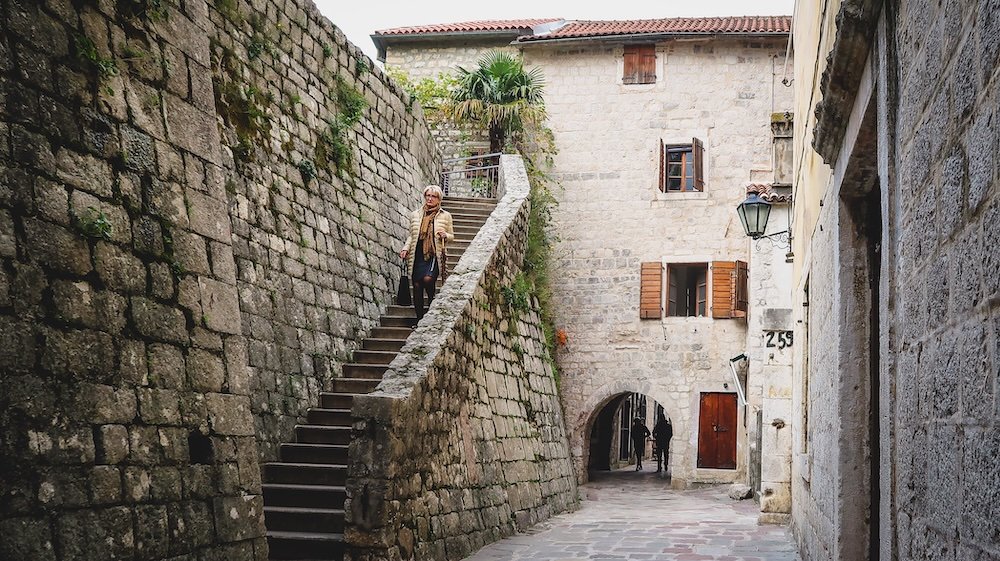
500, 95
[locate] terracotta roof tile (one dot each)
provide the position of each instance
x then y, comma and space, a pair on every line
519, 25
765, 191
778, 25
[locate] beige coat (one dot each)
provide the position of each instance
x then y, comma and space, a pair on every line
442, 223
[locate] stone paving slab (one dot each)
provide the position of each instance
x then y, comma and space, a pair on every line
633, 516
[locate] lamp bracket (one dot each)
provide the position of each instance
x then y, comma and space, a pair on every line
777, 239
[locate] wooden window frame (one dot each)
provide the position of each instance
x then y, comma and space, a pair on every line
639, 64
692, 165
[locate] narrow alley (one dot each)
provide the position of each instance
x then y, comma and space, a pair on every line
626, 516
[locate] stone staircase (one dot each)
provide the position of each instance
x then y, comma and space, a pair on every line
304, 493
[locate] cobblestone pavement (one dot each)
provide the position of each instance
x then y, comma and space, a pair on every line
629, 516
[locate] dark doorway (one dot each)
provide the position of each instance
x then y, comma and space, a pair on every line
717, 431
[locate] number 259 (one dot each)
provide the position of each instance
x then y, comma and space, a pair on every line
785, 339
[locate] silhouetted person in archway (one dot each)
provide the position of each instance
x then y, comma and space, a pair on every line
639, 435
662, 433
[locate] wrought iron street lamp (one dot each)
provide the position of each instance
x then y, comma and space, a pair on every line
753, 214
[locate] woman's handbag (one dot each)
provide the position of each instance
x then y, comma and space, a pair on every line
403, 295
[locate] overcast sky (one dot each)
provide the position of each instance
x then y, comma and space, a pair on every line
359, 21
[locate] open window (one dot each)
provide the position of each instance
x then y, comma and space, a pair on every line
687, 293
640, 64
717, 289
682, 167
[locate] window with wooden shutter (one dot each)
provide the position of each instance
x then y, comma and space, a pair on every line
698, 153
730, 295
686, 289
651, 291
682, 167
723, 288
640, 64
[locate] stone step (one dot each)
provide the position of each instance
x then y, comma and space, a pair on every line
397, 321
294, 519
305, 545
323, 434
466, 230
299, 453
473, 221
391, 332
304, 496
394, 310
334, 400
354, 385
305, 474
382, 344
330, 417
473, 200
367, 371
374, 357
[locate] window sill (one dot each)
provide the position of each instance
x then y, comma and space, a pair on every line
681, 196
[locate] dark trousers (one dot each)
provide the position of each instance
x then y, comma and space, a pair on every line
419, 287
662, 456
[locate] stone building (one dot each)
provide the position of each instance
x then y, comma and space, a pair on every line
896, 227
660, 126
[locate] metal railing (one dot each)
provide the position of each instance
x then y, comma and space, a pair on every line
475, 176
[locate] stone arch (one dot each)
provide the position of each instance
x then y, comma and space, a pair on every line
581, 420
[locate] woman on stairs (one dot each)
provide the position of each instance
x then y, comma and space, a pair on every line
430, 230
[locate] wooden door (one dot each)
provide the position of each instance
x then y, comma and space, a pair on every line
717, 431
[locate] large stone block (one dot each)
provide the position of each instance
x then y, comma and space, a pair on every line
57, 248
26, 538
230, 414
239, 518
96, 534
158, 321
220, 306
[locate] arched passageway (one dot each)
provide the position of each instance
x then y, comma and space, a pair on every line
613, 437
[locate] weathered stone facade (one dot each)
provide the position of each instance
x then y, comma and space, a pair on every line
721, 91
897, 221
463, 442
176, 281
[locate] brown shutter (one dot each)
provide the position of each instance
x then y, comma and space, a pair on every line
647, 64
631, 73
663, 167
723, 288
699, 164
651, 291
742, 293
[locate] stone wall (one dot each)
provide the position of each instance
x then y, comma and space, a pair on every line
463, 442
174, 290
944, 357
923, 131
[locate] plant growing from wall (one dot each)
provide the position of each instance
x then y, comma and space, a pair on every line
94, 223
86, 51
333, 146
152, 10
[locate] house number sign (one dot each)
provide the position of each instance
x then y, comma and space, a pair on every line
779, 339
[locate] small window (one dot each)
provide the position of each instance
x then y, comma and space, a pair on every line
640, 64
681, 167
688, 291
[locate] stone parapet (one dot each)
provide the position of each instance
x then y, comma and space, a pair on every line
463, 441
